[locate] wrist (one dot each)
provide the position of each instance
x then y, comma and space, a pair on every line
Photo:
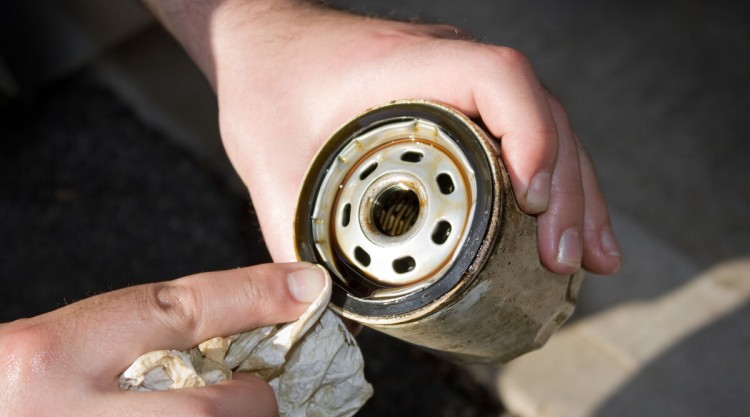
208, 29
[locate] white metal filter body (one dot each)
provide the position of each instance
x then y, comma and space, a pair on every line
411, 210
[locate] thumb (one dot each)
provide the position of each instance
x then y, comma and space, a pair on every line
182, 313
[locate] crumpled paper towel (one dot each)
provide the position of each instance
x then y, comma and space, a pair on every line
313, 364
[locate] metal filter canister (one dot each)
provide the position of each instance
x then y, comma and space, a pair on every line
412, 212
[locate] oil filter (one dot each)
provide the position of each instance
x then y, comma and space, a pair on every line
410, 208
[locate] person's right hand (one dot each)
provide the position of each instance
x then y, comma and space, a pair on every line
67, 362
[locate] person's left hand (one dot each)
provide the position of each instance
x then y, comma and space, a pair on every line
288, 73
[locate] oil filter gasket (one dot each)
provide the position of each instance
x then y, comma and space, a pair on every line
410, 209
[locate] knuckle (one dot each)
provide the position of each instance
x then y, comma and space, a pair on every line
556, 106
256, 291
545, 140
548, 134
572, 191
398, 34
449, 31
510, 57
176, 306
27, 352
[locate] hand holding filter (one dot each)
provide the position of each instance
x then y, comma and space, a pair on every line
412, 212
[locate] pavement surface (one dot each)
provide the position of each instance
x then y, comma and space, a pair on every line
108, 178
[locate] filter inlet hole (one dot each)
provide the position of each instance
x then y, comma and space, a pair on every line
346, 215
412, 156
445, 182
362, 256
369, 170
395, 210
441, 232
404, 265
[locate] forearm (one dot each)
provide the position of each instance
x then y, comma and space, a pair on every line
208, 29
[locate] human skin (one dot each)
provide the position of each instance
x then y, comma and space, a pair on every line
67, 362
286, 74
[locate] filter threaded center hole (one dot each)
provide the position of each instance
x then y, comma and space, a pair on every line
395, 210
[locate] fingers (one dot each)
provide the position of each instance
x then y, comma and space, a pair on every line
560, 227
550, 173
245, 395
575, 230
601, 253
514, 107
113, 329
539, 151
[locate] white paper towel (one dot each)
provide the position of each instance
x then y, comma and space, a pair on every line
313, 364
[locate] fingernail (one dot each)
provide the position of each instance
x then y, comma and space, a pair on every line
537, 196
306, 284
569, 252
609, 243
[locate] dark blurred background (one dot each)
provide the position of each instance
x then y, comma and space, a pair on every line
112, 174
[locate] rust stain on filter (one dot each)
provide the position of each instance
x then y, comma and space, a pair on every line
456, 272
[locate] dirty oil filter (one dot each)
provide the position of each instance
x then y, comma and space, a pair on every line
410, 208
